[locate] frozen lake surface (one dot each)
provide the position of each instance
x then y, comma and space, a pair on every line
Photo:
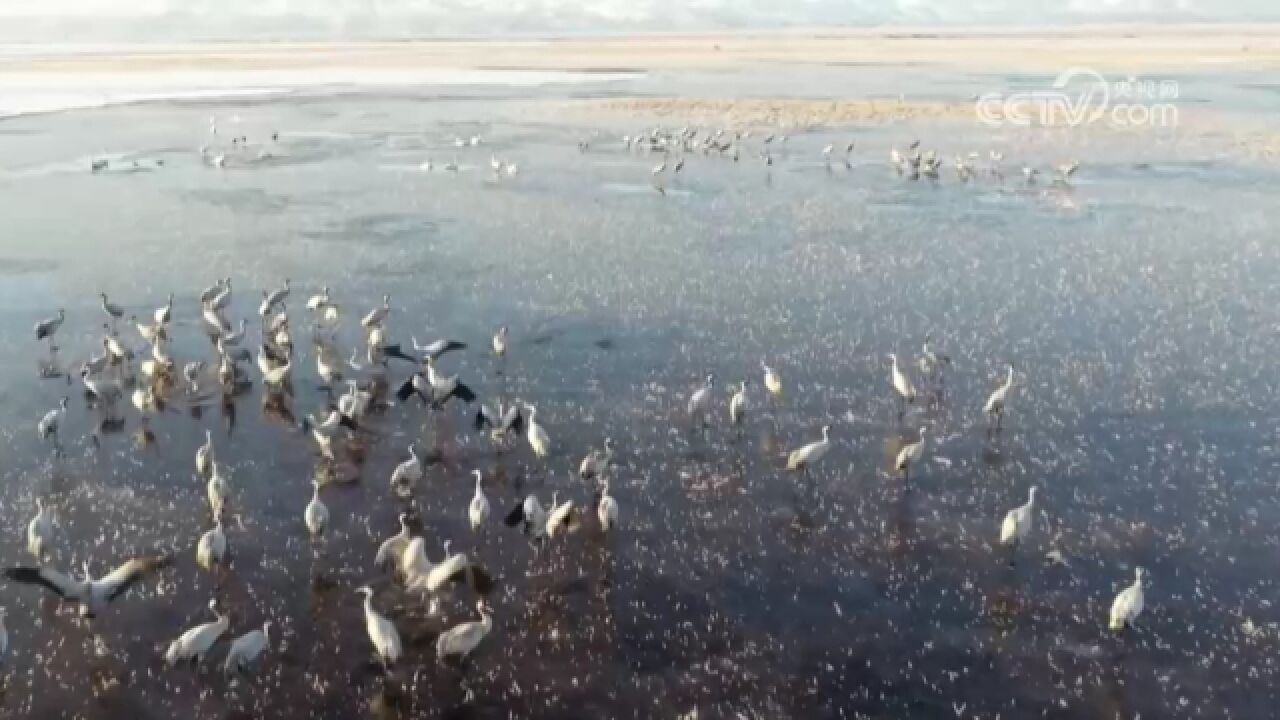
1139, 306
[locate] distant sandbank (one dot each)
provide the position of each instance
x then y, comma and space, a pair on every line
1104, 48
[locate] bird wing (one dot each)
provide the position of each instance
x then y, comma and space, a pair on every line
1009, 529
561, 517
405, 390
514, 517
513, 421
62, 585
463, 393
395, 352
458, 570
118, 581
903, 455
440, 347
484, 416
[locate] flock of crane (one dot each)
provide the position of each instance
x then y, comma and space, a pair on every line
147, 376
674, 145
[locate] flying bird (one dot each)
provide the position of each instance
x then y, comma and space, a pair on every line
91, 595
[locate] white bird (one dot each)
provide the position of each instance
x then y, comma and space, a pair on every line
413, 560
231, 337
1128, 603
329, 423
772, 380
204, 454
378, 314
212, 547
738, 405
909, 455
48, 425
607, 509
455, 569
217, 489
92, 595
318, 302
503, 422
317, 513
284, 340
500, 341
460, 640
560, 518
246, 649
392, 549
700, 400
160, 353
1017, 523
40, 531
217, 297
537, 435
195, 643
478, 512
164, 313
276, 376
147, 331
444, 387
596, 462
115, 350
901, 383
807, 456
995, 405
408, 473
355, 402
383, 635
216, 324
529, 513
278, 322
273, 298
143, 398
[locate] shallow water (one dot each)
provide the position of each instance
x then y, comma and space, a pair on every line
1139, 306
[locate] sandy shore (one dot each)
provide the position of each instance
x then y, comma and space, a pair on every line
1185, 49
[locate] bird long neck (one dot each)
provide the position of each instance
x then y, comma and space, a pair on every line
1008, 380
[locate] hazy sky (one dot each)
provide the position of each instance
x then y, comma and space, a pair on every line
159, 17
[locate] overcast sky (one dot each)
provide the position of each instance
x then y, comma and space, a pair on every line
155, 19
